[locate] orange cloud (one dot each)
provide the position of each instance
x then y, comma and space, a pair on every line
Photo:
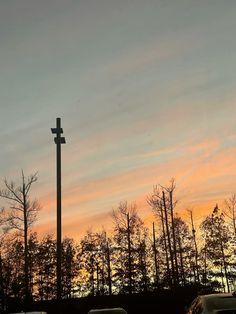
204, 173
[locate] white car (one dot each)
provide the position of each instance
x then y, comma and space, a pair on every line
218, 303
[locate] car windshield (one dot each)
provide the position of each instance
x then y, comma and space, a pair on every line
226, 302
227, 312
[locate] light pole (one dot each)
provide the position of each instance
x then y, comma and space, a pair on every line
58, 141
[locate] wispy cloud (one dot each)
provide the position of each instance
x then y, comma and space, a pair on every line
200, 169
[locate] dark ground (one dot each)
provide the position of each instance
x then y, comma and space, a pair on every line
159, 302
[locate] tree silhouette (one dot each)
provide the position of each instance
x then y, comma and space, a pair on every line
22, 214
69, 267
128, 232
230, 211
163, 204
217, 237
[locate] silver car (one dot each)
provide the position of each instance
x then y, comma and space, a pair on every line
219, 303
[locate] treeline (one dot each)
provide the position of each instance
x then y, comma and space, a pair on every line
133, 258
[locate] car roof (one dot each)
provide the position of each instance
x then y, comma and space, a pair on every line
117, 310
216, 295
219, 301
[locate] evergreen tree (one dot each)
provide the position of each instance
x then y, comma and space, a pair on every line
129, 232
217, 239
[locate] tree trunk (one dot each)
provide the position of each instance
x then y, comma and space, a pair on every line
109, 269
2, 295
155, 255
225, 266
26, 268
97, 275
196, 249
173, 236
181, 262
129, 254
168, 237
165, 246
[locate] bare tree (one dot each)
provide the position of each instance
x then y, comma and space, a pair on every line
155, 255
21, 214
155, 201
109, 267
230, 210
164, 200
163, 204
128, 230
4, 231
170, 190
196, 273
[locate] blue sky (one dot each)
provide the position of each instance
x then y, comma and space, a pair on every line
145, 90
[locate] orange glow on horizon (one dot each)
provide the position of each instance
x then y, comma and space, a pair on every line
199, 186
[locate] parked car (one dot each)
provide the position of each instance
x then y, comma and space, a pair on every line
218, 303
116, 310
35, 312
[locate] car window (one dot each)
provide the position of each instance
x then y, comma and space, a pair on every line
227, 312
221, 303
196, 307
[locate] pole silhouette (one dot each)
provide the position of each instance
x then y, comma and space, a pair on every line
58, 141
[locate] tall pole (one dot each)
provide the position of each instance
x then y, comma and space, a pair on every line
58, 141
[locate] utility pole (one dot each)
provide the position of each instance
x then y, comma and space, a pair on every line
58, 141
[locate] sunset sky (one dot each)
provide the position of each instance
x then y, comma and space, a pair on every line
146, 91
